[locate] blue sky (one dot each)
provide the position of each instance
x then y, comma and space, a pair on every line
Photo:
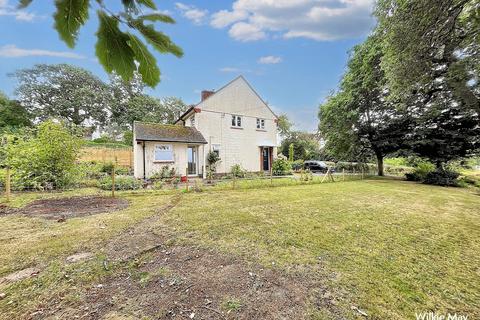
292, 51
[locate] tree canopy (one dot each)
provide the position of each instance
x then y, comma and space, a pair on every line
12, 114
63, 91
118, 50
412, 85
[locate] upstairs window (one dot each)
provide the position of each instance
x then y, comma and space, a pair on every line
260, 124
163, 152
236, 121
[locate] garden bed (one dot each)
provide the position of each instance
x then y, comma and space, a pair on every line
71, 207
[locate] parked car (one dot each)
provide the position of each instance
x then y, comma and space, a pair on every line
316, 166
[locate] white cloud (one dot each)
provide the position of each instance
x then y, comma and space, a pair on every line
192, 13
321, 20
223, 18
269, 60
12, 51
242, 31
230, 69
10, 10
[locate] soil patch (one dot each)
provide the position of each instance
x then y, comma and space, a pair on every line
184, 282
20, 275
64, 208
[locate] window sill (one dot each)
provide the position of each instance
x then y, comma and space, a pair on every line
238, 128
163, 161
262, 130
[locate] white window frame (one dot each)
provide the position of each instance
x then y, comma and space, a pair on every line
167, 151
236, 121
260, 124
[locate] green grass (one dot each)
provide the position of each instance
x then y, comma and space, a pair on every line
391, 248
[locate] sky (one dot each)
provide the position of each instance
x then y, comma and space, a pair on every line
293, 52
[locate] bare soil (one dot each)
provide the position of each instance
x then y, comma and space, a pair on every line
64, 208
184, 282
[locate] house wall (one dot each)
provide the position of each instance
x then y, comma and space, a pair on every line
237, 145
151, 166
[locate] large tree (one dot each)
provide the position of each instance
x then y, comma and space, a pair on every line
130, 103
65, 92
359, 120
118, 50
431, 63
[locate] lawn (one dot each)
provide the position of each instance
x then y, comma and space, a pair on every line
390, 248
386, 247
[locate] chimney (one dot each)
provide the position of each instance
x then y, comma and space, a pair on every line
206, 94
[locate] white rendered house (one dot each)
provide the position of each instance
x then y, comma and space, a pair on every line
232, 121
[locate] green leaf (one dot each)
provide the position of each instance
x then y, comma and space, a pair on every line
147, 63
70, 16
148, 3
113, 49
157, 39
24, 3
157, 17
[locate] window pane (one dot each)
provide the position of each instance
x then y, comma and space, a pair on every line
163, 153
239, 121
233, 121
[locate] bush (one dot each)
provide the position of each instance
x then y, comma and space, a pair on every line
121, 183
281, 167
166, 173
420, 171
237, 171
352, 166
442, 177
45, 159
297, 165
104, 139
128, 138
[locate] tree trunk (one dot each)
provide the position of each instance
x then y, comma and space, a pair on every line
380, 164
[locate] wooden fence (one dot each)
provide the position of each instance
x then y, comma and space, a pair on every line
124, 155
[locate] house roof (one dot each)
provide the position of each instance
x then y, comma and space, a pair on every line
191, 107
147, 131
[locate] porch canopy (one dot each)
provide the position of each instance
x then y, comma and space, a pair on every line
266, 143
145, 131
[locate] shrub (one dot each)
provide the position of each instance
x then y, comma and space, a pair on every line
166, 173
45, 159
442, 177
237, 171
104, 139
128, 137
121, 183
281, 167
420, 171
212, 159
297, 165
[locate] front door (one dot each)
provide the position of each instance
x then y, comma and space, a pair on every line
266, 158
192, 160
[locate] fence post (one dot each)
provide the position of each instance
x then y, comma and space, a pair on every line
7, 184
186, 179
113, 180
271, 175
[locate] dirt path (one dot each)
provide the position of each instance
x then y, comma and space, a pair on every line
159, 281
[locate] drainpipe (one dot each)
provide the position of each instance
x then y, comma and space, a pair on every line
144, 172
